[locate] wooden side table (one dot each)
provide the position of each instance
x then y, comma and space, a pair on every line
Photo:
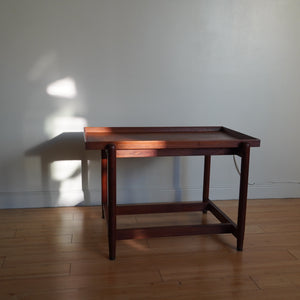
121, 142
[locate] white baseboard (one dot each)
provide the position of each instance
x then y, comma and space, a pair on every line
29, 199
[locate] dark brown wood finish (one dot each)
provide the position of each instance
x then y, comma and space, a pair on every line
134, 138
104, 183
112, 219
243, 195
160, 208
150, 232
122, 142
176, 152
221, 216
206, 180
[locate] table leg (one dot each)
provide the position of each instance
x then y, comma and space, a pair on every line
103, 182
206, 179
111, 155
243, 195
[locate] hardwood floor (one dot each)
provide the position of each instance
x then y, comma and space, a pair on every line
62, 253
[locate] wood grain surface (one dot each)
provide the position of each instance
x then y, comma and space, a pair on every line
61, 253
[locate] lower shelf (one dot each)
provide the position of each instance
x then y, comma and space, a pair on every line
143, 233
226, 225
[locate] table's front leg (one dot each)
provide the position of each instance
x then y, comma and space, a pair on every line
245, 154
206, 180
112, 221
104, 183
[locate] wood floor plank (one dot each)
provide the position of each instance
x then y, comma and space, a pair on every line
32, 270
47, 248
36, 215
205, 285
287, 227
288, 239
154, 290
181, 267
184, 244
8, 233
40, 240
52, 257
295, 251
111, 281
62, 253
269, 280
163, 290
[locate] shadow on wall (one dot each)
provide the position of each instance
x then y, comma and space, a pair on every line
64, 169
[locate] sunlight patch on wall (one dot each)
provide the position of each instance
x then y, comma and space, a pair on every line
64, 88
66, 173
64, 169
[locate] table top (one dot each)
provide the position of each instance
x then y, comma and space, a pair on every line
126, 138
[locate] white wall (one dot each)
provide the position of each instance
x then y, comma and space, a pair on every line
146, 63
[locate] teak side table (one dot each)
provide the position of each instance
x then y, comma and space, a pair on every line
121, 142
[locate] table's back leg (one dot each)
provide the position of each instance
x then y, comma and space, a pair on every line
206, 180
112, 221
103, 182
243, 195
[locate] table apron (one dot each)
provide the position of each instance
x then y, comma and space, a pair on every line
177, 152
